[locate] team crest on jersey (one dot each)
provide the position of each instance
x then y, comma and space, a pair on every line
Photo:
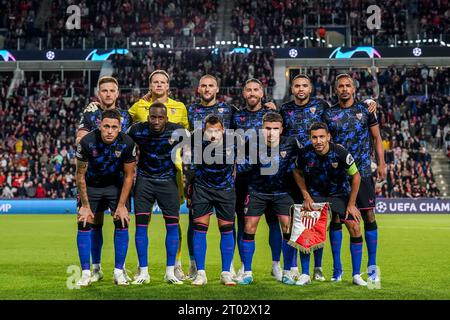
220, 110
173, 111
118, 153
283, 154
359, 116
171, 141
94, 152
334, 164
313, 110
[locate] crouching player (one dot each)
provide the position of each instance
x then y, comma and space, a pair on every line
106, 160
322, 171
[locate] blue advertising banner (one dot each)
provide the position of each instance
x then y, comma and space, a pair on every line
383, 206
52, 207
408, 205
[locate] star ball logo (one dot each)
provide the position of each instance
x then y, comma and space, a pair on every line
417, 52
381, 207
50, 55
293, 53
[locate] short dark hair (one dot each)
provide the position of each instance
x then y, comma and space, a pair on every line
213, 119
158, 105
344, 75
302, 76
111, 114
272, 117
317, 126
253, 80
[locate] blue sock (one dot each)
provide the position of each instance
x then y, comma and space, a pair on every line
199, 242
190, 236
226, 249
371, 235
248, 250
356, 245
172, 238
121, 239
141, 239
294, 263
336, 243
288, 252
304, 259
275, 239
96, 243
240, 232
84, 248
318, 254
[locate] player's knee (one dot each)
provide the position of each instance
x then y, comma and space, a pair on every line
370, 226
226, 227
334, 226
368, 216
170, 220
249, 228
354, 229
200, 227
118, 224
248, 236
142, 219
83, 227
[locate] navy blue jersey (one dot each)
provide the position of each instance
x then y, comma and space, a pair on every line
155, 149
246, 119
297, 119
326, 175
350, 127
277, 182
197, 114
217, 172
92, 117
105, 161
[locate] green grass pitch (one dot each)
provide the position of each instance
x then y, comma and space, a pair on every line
36, 250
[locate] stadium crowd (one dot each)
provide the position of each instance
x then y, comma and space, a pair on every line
38, 125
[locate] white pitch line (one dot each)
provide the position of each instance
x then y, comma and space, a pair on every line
428, 228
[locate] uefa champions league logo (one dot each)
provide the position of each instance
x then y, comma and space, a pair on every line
417, 52
50, 55
293, 53
381, 207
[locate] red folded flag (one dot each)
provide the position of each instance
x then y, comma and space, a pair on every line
309, 228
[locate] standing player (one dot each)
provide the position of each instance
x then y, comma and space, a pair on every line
108, 92
106, 160
213, 188
159, 89
298, 115
156, 181
357, 129
322, 172
268, 191
197, 112
251, 117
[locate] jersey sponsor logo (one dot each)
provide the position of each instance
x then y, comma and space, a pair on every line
311, 164
313, 110
283, 154
242, 118
359, 116
290, 113
334, 164
349, 160
118, 153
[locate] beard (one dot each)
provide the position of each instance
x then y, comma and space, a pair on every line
258, 101
208, 100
